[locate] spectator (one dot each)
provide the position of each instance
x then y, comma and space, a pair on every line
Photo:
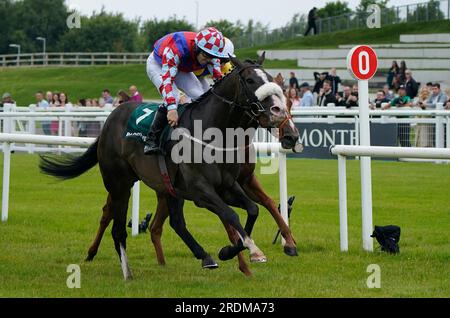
335, 81
49, 97
43, 103
293, 100
430, 87
424, 132
393, 72
379, 100
312, 17
135, 95
403, 130
401, 101
326, 95
82, 102
402, 73
293, 81
412, 88
347, 98
320, 78
122, 97
55, 100
64, 100
7, 99
438, 96
388, 93
307, 97
95, 102
279, 80
107, 97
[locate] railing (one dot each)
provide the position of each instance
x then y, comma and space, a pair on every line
422, 128
72, 59
417, 12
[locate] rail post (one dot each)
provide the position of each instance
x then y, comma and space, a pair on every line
7, 123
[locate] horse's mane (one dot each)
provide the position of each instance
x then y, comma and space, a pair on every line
218, 83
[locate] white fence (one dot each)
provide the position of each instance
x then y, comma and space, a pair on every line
384, 152
30, 120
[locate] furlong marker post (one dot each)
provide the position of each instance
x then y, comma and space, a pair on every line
362, 63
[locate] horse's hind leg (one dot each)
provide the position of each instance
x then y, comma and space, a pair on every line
254, 190
104, 222
236, 197
156, 228
119, 207
234, 239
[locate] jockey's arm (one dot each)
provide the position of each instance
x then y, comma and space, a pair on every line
170, 62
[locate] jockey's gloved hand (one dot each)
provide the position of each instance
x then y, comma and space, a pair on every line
172, 117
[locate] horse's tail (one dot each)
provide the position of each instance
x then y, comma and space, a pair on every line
69, 167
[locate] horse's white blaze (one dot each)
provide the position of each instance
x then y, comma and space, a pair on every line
269, 89
261, 74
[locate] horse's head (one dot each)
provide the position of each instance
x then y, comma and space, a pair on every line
266, 100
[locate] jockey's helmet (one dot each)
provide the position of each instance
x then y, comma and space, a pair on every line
212, 42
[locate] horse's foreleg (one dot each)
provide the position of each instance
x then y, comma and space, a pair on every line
156, 228
254, 190
178, 223
104, 222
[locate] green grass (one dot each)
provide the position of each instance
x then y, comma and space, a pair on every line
52, 224
85, 82
387, 34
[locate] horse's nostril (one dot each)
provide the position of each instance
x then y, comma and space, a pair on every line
275, 110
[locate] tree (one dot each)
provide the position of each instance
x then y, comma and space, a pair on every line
426, 12
228, 29
364, 4
153, 30
332, 9
103, 32
22, 21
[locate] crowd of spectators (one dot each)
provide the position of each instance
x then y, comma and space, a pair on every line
54, 99
329, 89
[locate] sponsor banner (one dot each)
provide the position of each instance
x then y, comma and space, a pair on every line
318, 138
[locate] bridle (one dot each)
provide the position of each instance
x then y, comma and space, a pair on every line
252, 106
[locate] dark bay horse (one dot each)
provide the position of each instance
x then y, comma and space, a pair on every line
243, 99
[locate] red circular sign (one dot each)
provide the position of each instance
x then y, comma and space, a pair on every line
362, 62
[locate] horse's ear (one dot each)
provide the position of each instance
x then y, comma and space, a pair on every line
236, 63
262, 58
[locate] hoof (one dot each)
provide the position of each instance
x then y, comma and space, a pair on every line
90, 258
258, 258
209, 263
290, 250
226, 253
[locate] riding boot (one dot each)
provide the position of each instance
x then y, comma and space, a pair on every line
154, 135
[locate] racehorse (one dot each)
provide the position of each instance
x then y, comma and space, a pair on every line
246, 98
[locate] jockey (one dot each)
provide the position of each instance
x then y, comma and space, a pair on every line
226, 66
170, 67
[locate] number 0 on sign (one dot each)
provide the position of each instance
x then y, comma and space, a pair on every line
362, 62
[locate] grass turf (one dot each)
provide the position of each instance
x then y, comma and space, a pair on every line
52, 224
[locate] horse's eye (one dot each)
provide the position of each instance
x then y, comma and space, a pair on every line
250, 81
